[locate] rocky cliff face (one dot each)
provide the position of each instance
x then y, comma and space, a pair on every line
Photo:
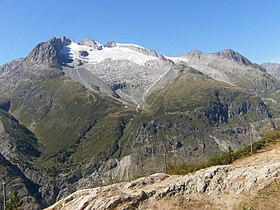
18, 145
48, 53
91, 43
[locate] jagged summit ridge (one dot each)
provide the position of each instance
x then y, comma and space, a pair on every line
229, 66
238, 58
92, 43
227, 54
48, 53
234, 56
62, 51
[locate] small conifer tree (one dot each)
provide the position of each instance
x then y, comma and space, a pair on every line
14, 204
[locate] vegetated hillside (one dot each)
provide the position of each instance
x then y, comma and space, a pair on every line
64, 135
64, 116
189, 120
233, 68
249, 183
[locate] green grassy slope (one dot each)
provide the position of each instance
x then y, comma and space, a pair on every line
73, 124
182, 118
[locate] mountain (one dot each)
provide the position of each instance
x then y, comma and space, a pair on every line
231, 67
129, 70
272, 68
77, 115
229, 54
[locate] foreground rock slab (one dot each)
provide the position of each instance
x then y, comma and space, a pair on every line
218, 187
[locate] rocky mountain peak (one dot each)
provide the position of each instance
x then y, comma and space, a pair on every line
90, 42
194, 54
48, 53
111, 44
234, 56
59, 43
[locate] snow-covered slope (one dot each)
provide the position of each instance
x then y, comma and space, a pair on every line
88, 54
130, 70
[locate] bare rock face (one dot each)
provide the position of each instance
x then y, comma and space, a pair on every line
48, 53
237, 57
234, 56
18, 145
217, 183
2, 129
11, 66
111, 44
195, 54
91, 43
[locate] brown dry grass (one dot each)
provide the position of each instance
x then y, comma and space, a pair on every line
189, 202
267, 199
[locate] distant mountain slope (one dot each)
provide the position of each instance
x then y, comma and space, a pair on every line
129, 70
272, 68
190, 119
231, 67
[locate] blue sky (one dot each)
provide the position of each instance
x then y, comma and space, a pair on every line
171, 27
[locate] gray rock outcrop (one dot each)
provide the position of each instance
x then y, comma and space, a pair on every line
217, 183
48, 53
91, 43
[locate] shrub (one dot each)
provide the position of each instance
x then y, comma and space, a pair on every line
14, 204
